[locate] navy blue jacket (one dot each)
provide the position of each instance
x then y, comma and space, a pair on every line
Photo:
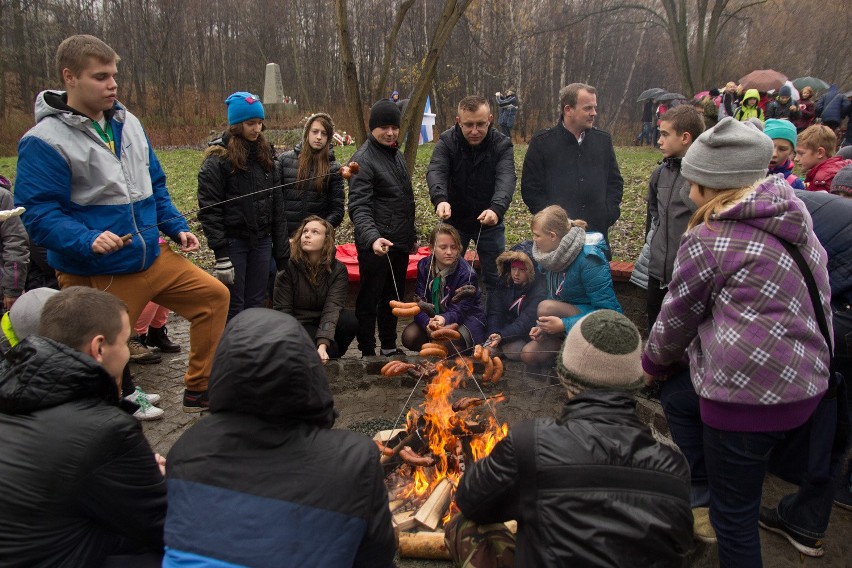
264, 480
831, 215
468, 311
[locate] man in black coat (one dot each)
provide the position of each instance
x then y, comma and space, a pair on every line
381, 206
590, 488
573, 165
471, 179
78, 480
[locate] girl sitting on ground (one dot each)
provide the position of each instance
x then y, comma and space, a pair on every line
313, 288
576, 277
439, 278
513, 305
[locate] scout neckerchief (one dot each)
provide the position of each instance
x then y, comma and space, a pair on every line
106, 135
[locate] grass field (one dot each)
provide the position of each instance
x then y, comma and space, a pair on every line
181, 167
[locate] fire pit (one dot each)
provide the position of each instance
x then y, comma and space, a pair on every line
424, 460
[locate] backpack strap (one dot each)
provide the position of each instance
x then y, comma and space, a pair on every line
808, 276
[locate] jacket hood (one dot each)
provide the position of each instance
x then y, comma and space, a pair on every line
42, 373
310, 121
266, 365
518, 253
751, 94
55, 103
773, 208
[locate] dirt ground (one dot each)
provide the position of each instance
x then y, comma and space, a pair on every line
366, 401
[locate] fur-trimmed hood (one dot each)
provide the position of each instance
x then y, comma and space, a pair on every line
505, 260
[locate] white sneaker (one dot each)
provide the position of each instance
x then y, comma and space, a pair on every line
149, 413
138, 393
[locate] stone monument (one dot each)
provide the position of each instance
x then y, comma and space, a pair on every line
273, 86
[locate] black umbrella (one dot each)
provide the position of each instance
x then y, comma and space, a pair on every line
669, 97
650, 94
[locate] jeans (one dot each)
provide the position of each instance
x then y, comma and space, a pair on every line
737, 463
492, 243
681, 405
646, 134
377, 289
655, 297
736, 466
251, 273
507, 130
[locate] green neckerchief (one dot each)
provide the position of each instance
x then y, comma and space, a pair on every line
6, 325
106, 135
437, 287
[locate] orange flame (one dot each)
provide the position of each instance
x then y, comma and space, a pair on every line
441, 426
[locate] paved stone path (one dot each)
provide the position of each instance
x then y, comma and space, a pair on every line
361, 395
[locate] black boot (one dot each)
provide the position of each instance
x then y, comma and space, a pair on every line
158, 337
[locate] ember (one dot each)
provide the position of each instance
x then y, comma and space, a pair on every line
425, 460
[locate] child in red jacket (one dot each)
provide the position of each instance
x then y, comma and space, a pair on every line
815, 155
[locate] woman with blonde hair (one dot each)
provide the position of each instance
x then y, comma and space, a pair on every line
576, 277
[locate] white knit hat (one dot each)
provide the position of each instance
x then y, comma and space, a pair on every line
601, 351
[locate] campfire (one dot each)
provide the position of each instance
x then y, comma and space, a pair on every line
424, 461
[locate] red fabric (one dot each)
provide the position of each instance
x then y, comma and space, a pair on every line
820, 176
347, 254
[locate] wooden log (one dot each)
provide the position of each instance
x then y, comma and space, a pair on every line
426, 545
435, 507
404, 521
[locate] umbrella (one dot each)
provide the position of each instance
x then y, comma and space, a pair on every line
701, 95
670, 97
812, 82
650, 94
763, 80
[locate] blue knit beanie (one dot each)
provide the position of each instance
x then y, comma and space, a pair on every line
243, 106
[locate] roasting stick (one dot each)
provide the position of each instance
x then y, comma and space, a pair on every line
479, 388
352, 165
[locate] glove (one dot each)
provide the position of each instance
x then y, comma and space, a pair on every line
223, 270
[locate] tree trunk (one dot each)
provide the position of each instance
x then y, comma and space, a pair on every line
381, 81
350, 73
411, 120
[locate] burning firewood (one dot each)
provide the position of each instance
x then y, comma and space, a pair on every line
430, 514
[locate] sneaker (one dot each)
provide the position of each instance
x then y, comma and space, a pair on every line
139, 394
772, 521
147, 411
141, 354
195, 401
701, 527
159, 337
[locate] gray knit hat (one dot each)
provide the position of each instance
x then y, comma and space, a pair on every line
842, 182
602, 351
311, 120
730, 155
25, 314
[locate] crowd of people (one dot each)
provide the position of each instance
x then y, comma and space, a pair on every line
747, 278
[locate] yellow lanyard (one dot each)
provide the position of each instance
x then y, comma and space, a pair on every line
106, 136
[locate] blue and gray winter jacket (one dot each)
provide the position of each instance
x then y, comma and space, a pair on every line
74, 188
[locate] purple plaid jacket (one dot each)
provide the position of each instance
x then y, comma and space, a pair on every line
739, 306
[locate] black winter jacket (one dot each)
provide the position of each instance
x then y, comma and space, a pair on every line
77, 478
381, 199
583, 179
303, 200
279, 486
591, 488
472, 178
258, 216
831, 215
318, 304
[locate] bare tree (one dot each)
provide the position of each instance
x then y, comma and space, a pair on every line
350, 72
